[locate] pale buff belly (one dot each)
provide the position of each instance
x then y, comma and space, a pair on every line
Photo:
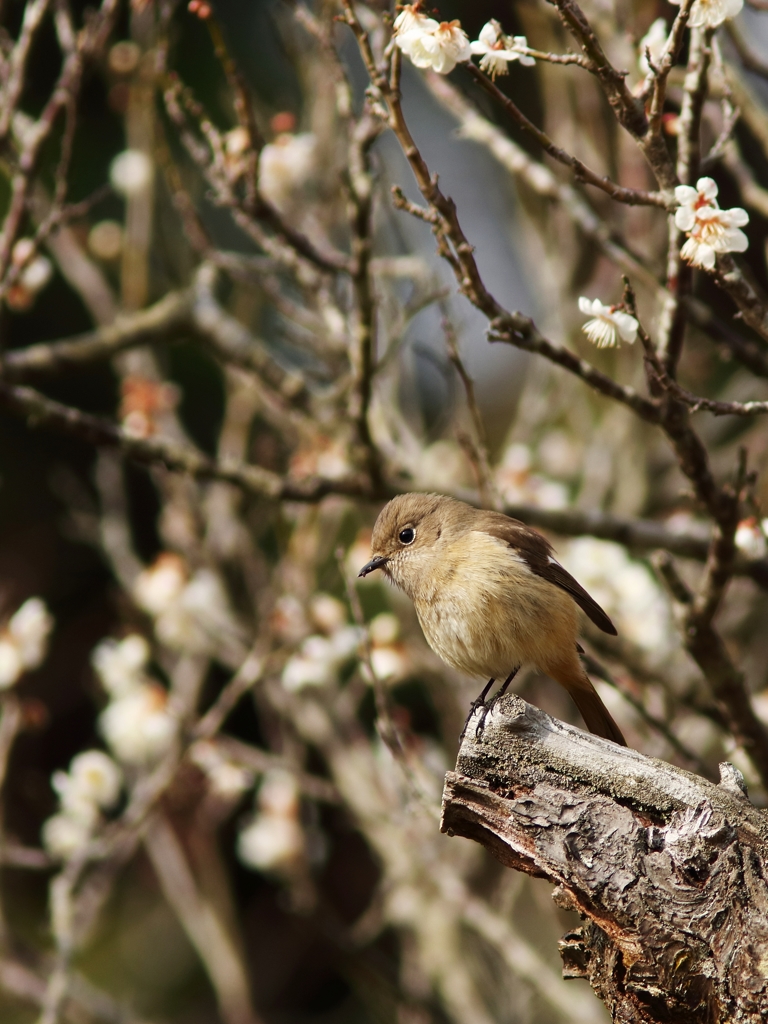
509, 619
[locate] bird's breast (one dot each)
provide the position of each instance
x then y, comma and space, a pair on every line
491, 613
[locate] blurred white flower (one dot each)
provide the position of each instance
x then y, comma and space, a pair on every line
320, 658
63, 836
120, 664
288, 620
200, 618
711, 13
91, 785
750, 538
320, 456
137, 727
345, 642
443, 465
22, 251
285, 166
384, 629
608, 325
105, 240
517, 484
131, 172
388, 658
498, 50
271, 843
274, 840
226, 779
35, 271
655, 40
73, 802
327, 612
94, 776
626, 590
279, 793
387, 662
191, 613
358, 553
30, 627
429, 44
24, 641
161, 584
11, 665
124, 57
236, 145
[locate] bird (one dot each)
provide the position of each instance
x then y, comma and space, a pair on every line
490, 597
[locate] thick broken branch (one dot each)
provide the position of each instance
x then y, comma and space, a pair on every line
668, 868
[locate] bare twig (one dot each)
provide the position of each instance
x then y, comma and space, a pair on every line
42, 411
202, 922
630, 196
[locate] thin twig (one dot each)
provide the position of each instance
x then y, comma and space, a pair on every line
630, 196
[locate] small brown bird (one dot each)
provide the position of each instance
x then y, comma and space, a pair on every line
490, 596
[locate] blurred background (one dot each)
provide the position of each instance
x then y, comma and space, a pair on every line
262, 843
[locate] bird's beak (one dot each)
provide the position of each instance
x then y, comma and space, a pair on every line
375, 563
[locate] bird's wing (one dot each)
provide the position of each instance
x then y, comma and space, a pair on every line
537, 554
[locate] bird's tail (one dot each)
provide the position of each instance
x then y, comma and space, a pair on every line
587, 700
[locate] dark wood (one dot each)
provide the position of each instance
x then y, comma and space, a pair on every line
667, 869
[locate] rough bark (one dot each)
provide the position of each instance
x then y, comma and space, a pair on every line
667, 869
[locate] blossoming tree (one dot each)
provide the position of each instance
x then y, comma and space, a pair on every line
241, 309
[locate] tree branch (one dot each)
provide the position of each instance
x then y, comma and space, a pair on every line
630, 196
667, 867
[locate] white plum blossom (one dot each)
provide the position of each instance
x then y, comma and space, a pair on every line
655, 41
270, 843
191, 612
711, 13
161, 584
498, 50
105, 240
92, 785
93, 780
227, 780
35, 271
431, 44
138, 727
24, 641
30, 627
411, 18
710, 230
327, 612
320, 658
285, 166
131, 172
608, 324
121, 663
517, 483
750, 538
274, 839
63, 836
388, 657
626, 589
692, 199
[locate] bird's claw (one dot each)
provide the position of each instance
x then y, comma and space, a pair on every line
480, 727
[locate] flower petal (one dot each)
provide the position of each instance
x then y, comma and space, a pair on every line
686, 194
685, 218
707, 188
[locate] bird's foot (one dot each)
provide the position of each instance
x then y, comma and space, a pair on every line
473, 707
479, 704
488, 706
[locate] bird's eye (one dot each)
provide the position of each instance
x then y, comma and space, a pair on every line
407, 535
